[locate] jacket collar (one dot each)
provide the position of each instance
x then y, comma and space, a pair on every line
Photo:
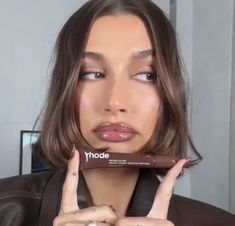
140, 203
142, 197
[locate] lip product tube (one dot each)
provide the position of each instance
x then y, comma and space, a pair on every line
90, 159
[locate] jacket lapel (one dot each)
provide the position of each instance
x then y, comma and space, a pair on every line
142, 197
144, 193
140, 203
51, 199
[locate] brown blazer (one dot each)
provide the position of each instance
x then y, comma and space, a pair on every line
34, 200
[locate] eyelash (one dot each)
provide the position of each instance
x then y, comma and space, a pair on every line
85, 73
99, 75
153, 76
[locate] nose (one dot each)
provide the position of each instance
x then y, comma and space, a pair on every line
117, 99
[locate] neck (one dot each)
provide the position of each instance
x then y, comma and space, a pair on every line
112, 186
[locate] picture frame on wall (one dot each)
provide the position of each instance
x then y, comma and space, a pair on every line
30, 160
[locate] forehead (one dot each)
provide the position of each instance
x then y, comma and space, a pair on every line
119, 32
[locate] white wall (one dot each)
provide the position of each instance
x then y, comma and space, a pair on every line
164, 5
28, 32
232, 127
204, 29
211, 80
184, 29
183, 9
27, 35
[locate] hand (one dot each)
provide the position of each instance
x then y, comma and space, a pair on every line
70, 213
157, 216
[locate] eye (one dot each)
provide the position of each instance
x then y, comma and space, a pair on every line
91, 75
149, 77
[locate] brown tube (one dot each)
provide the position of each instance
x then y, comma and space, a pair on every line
93, 159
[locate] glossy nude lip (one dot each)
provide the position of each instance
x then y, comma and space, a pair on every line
115, 132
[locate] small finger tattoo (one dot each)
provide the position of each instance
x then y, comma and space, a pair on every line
74, 174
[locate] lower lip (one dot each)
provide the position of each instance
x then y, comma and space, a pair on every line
114, 136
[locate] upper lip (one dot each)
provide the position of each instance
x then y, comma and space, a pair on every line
121, 127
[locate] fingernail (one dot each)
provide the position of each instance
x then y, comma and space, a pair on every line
72, 152
187, 163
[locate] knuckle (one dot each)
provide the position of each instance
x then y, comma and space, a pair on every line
109, 212
105, 208
56, 221
65, 188
120, 222
166, 195
171, 173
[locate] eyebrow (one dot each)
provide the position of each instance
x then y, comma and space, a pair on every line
143, 54
93, 55
137, 55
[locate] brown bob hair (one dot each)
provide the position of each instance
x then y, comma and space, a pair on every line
60, 127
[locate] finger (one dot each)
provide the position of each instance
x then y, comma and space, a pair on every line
163, 195
79, 223
102, 214
99, 223
69, 192
138, 221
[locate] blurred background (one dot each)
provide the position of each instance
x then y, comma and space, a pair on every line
205, 28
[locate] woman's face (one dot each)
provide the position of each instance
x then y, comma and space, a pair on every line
116, 100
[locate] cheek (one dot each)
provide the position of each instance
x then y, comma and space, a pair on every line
148, 101
149, 110
152, 113
85, 105
89, 103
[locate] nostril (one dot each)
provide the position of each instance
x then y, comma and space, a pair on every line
122, 110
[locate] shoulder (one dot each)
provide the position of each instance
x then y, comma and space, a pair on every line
193, 213
20, 198
30, 183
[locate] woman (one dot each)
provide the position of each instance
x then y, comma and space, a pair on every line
116, 86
